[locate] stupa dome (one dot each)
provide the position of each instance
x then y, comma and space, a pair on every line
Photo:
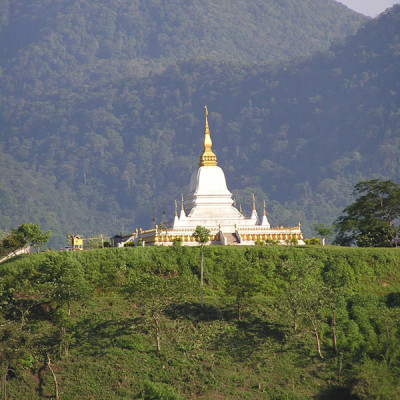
208, 181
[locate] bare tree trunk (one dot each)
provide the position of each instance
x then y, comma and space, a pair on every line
64, 347
334, 331
201, 277
315, 331
54, 377
157, 332
239, 310
4, 382
295, 320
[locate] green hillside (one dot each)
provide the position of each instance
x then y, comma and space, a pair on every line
101, 107
127, 323
69, 40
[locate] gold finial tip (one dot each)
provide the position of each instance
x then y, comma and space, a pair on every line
208, 158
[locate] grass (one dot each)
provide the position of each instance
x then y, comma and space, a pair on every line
205, 352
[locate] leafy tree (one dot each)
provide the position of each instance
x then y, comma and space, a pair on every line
370, 220
242, 281
63, 280
337, 277
21, 295
12, 243
304, 296
202, 236
62, 277
26, 234
14, 346
32, 234
323, 231
3, 234
156, 293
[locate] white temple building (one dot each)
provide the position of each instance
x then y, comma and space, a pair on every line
209, 204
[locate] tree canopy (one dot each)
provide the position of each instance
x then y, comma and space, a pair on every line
201, 234
370, 219
28, 234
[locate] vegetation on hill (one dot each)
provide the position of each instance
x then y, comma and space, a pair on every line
277, 322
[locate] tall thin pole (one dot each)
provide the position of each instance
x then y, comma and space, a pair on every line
201, 277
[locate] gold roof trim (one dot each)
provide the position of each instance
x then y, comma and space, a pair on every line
208, 158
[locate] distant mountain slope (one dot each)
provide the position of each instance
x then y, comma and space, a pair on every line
302, 135
306, 134
41, 40
104, 151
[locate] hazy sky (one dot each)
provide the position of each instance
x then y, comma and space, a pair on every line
369, 7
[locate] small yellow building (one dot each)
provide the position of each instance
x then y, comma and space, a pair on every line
76, 242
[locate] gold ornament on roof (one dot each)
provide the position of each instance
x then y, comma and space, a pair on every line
208, 158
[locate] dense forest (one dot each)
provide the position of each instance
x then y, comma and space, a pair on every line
101, 111
276, 323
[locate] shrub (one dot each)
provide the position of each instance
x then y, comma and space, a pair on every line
159, 391
313, 241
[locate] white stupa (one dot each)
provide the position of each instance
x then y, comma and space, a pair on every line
209, 204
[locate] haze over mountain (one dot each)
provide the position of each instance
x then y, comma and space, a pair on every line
371, 8
96, 133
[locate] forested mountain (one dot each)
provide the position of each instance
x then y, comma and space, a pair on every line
48, 40
101, 111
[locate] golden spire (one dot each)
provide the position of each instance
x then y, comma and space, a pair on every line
254, 203
176, 209
264, 213
240, 207
182, 202
208, 158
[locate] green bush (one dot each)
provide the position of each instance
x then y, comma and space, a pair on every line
375, 381
313, 241
159, 391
